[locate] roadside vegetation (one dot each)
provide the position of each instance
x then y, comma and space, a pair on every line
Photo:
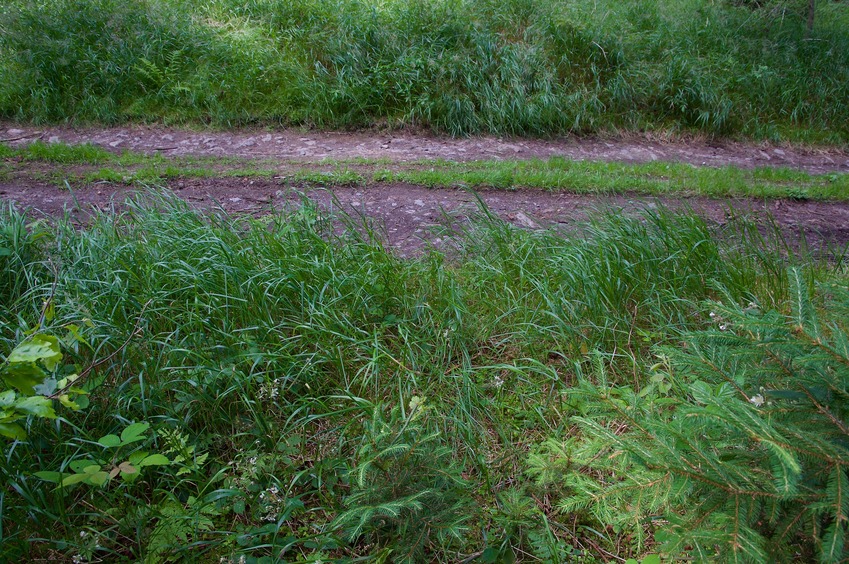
87, 165
179, 385
515, 67
182, 385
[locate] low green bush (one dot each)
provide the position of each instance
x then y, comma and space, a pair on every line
515, 67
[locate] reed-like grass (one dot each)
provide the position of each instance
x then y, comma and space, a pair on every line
298, 354
516, 67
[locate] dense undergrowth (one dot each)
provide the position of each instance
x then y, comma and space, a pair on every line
525, 67
283, 388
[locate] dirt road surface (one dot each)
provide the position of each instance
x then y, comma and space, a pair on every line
406, 146
409, 216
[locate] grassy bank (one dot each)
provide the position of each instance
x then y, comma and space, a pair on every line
281, 389
84, 165
516, 67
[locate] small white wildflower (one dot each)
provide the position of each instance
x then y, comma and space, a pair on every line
83, 534
77, 559
712, 314
497, 381
723, 327
252, 460
757, 400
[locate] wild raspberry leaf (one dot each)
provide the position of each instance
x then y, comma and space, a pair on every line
40, 348
13, 431
7, 398
37, 405
24, 376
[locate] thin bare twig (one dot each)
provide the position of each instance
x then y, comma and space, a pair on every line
136, 331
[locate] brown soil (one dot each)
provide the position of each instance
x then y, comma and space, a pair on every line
407, 146
409, 216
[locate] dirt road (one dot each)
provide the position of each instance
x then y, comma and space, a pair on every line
405, 146
408, 215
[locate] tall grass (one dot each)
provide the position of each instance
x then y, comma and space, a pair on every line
515, 67
335, 394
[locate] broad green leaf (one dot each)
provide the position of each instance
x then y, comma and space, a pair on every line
110, 441
47, 387
24, 376
155, 460
7, 398
43, 348
98, 478
67, 380
39, 406
134, 432
79, 466
74, 479
137, 457
76, 404
53, 477
13, 431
